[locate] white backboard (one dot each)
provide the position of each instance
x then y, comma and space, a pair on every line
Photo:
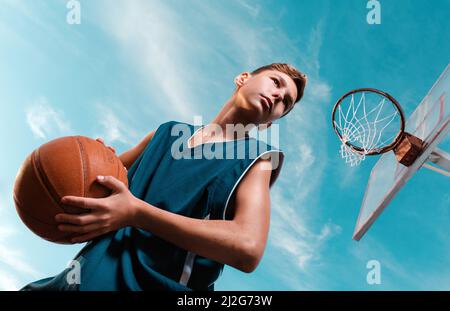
431, 123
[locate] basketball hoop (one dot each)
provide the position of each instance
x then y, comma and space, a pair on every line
371, 122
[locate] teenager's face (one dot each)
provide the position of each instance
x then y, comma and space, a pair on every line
266, 96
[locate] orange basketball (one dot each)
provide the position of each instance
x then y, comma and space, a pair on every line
64, 166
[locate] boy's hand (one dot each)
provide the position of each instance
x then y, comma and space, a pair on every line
107, 214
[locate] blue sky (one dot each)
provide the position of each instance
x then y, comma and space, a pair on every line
132, 65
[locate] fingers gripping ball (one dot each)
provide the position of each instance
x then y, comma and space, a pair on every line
64, 166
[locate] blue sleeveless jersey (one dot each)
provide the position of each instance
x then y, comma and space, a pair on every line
195, 182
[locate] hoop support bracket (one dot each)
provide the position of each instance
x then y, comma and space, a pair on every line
408, 149
441, 159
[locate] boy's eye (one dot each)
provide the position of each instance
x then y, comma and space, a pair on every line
276, 81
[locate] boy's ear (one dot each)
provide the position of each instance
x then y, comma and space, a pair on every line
240, 79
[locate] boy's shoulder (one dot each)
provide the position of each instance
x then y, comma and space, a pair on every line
174, 122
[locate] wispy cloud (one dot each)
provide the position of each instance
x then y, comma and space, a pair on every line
113, 127
171, 53
25, 10
152, 37
8, 282
40, 17
391, 268
253, 10
291, 233
313, 47
14, 266
45, 121
12, 260
294, 228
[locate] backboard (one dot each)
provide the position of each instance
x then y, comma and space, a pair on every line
429, 122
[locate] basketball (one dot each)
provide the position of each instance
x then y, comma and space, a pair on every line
64, 166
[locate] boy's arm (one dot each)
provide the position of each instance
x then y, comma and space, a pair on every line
239, 243
128, 157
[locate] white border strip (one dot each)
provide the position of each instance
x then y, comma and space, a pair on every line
243, 174
188, 264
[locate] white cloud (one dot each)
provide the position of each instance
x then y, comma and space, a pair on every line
13, 258
291, 233
12, 261
20, 7
44, 121
153, 39
371, 249
171, 52
8, 282
319, 90
305, 159
41, 18
313, 47
253, 10
5, 231
113, 127
405, 273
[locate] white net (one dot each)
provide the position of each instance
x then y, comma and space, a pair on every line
369, 125
350, 156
